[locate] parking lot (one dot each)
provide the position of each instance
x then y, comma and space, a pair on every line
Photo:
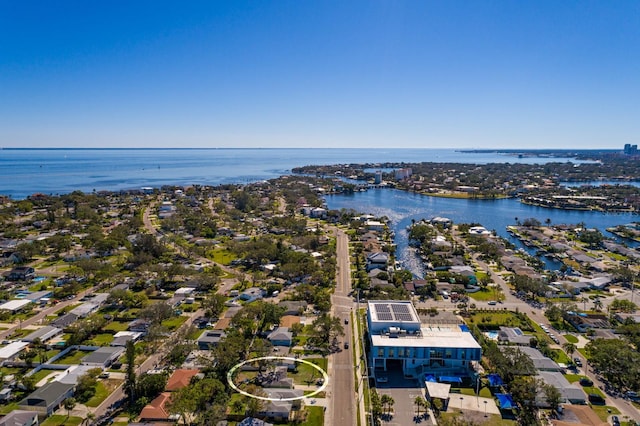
404, 392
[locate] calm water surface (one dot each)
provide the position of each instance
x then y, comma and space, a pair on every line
403, 207
59, 171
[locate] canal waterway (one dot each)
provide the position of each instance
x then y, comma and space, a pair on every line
401, 207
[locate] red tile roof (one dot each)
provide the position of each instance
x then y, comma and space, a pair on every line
155, 410
180, 379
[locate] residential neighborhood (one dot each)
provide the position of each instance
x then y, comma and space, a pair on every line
134, 307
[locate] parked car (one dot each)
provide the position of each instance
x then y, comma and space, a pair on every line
586, 382
382, 379
615, 421
596, 399
577, 362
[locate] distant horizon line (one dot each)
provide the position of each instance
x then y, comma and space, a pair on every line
310, 148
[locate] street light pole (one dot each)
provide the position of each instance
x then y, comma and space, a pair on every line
485, 408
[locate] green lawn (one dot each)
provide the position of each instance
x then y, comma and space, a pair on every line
72, 358
62, 420
101, 394
221, 256
604, 411
102, 339
116, 326
7, 408
315, 416
173, 323
483, 295
42, 374
570, 338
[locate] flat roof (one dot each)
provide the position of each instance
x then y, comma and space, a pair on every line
44, 333
398, 311
11, 349
447, 338
14, 305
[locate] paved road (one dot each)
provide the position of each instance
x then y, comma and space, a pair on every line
342, 406
148, 364
35, 319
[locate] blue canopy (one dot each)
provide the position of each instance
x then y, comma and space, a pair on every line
450, 379
429, 378
505, 401
495, 380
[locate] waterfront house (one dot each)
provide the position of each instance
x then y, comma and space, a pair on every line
399, 341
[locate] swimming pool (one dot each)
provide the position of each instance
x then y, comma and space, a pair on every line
493, 335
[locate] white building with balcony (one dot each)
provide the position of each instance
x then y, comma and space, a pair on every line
400, 341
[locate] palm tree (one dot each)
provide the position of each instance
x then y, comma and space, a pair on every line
597, 305
419, 402
387, 402
569, 348
69, 403
89, 419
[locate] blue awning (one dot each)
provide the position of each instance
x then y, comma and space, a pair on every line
430, 378
505, 401
450, 379
495, 380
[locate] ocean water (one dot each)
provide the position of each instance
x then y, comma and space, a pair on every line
58, 171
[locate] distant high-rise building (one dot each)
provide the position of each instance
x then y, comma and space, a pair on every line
630, 149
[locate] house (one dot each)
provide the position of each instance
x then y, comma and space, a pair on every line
102, 357
15, 305
9, 352
65, 320
374, 225
180, 379
156, 410
210, 339
252, 421
377, 260
37, 296
72, 374
399, 340
289, 320
293, 307
21, 273
281, 336
252, 294
569, 392
43, 334
139, 325
514, 336
46, 399
541, 362
280, 407
122, 337
20, 418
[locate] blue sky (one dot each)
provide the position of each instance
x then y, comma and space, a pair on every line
432, 74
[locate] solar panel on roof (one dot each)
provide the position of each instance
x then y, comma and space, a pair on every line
382, 308
401, 312
385, 316
383, 312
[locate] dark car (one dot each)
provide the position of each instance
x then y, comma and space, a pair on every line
596, 399
577, 362
346, 345
586, 382
615, 421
